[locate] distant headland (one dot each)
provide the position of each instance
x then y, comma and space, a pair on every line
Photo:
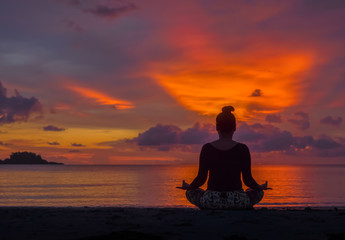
26, 158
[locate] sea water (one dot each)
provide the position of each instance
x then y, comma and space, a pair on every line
155, 186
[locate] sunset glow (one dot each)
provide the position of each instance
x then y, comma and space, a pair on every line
208, 88
142, 82
101, 98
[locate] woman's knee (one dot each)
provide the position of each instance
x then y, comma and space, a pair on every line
259, 196
255, 195
194, 195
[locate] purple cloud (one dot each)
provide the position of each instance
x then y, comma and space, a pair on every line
73, 25
303, 142
159, 135
16, 108
264, 138
256, 93
73, 2
336, 121
162, 135
325, 142
198, 134
302, 115
53, 128
249, 133
73, 151
259, 138
77, 145
325, 146
302, 122
273, 118
110, 12
53, 143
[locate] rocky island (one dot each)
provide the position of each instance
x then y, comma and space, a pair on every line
26, 158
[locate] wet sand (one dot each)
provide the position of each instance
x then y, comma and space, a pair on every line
169, 223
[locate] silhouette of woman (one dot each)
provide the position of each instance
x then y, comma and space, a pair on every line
224, 160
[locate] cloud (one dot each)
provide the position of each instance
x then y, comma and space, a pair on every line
302, 122
16, 108
53, 128
110, 12
256, 93
302, 115
73, 2
264, 138
325, 146
198, 134
162, 136
336, 121
303, 142
259, 137
77, 145
73, 25
273, 118
101, 98
53, 143
4, 144
267, 138
114, 143
250, 133
159, 135
73, 151
325, 142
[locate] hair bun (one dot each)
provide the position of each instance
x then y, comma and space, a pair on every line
228, 109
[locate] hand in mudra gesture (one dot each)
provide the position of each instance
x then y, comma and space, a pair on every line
185, 185
264, 186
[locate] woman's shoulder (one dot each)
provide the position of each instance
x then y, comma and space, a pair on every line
207, 145
242, 145
236, 145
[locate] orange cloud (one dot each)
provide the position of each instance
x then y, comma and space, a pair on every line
100, 97
209, 76
206, 88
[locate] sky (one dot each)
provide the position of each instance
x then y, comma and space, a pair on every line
141, 82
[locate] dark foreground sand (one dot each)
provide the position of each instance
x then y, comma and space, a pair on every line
169, 223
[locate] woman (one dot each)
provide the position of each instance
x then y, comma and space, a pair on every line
224, 160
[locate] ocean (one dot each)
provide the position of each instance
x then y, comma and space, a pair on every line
155, 186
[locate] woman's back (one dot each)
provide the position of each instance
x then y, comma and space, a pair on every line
224, 167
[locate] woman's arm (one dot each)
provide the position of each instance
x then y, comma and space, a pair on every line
246, 171
203, 170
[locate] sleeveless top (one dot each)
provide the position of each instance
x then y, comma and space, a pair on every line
225, 168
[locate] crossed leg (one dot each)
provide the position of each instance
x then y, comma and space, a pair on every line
255, 195
194, 195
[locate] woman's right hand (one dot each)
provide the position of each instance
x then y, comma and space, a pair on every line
185, 185
264, 186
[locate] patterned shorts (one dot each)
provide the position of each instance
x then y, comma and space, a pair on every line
224, 200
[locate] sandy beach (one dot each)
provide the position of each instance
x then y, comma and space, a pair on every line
169, 223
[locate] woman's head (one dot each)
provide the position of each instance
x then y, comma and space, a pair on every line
226, 121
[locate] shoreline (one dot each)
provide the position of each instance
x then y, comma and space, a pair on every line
178, 207
87, 223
